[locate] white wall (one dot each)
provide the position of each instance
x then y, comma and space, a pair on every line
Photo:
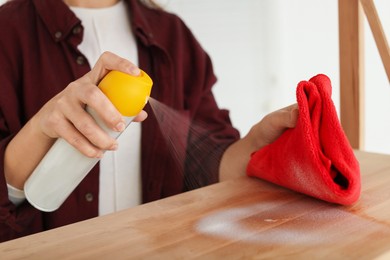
377, 87
278, 43
261, 49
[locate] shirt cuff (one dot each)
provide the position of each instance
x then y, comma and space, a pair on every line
15, 195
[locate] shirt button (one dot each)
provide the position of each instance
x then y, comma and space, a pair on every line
89, 197
76, 30
80, 60
58, 35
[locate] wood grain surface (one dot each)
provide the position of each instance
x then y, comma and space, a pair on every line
244, 218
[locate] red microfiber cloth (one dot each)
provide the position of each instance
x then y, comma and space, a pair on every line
315, 157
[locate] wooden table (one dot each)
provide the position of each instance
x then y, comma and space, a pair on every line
242, 218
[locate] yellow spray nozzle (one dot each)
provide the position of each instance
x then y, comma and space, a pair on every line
128, 93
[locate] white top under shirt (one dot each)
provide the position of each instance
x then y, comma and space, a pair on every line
108, 29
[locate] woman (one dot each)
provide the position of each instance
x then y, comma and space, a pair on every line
47, 80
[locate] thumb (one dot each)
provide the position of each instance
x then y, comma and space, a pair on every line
274, 124
283, 118
294, 113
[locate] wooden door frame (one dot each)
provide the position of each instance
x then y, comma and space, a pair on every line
351, 47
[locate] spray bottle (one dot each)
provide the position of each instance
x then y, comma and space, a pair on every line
64, 167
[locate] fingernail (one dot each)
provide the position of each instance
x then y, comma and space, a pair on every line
136, 71
99, 154
120, 127
114, 147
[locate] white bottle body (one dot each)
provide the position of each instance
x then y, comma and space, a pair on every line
61, 171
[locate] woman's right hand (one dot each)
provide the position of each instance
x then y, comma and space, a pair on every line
64, 116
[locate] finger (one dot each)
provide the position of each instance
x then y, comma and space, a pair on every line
88, 127
78, 141
93, 97
57, 125
294, 117
109, 61
275, 123
73, 110
141, 116
290, 107
285, 117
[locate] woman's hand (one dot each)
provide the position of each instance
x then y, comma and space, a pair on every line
65, 116
272, 126
236, 157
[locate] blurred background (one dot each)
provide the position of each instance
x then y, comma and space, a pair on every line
261, 49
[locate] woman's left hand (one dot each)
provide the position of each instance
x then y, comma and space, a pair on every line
236, 157
273, 125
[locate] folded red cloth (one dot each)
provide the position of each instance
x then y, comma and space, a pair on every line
315, 157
